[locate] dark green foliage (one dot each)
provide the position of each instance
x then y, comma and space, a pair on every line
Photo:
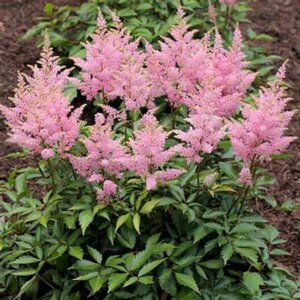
68, 26
170, 244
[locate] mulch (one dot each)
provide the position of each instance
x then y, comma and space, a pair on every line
279, 18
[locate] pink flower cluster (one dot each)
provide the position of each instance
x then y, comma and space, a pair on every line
261, 132
149, 153
105, 158
191, 72
203, 137
210, 81
114, 68
41, 119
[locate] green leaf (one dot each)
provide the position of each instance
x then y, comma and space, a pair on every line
44, 219
130, 281
70, 221
121, 220
279, 252
126, 12
137, 222
187, 280
213, 214
70, 92
127, 238
143, 32
228, 169
21, 183
227, 252
199, 233
201, 272
87, 276
144, 6
252, 282
48, 9
167, 282
149, 267
96, 255
248, 253
85, 219
214, 226
96, 284
24, 272
146, 280
212, 264
140, 258
86, 265
115, 281
149, 206
24, 260
76, 252
243, 228
251, 33
25, 287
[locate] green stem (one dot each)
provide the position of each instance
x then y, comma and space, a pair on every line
235, 201
227, 17
72, 170
51, 172
198, 178
46, 282
39, 167
244, 191
173, 116
243, 202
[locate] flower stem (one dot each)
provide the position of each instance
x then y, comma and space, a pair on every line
227, 16
173, 116
51, 173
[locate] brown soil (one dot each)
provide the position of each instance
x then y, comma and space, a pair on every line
279, 18
16, 17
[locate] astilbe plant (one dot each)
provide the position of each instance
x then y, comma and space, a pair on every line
41, 119
191, 72
202, 137
105, 158
138, 213
261, 132
149, 153
114, 68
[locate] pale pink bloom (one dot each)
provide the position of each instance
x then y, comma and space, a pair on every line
261, 133
105, 158
191, 72
245, 176
170, 67
114, 67
47, 153
223, 82
112, 114
202, 137
42, 119
149, 153
109, 189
